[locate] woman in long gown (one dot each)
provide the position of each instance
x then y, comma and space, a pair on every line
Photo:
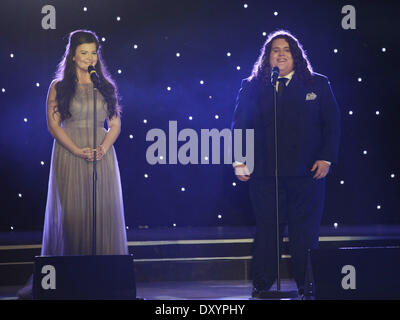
69, 207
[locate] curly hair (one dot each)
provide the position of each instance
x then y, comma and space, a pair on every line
66, 78
262, 68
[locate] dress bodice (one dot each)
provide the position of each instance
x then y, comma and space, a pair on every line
81, 108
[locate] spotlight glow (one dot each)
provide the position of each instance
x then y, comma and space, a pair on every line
359, 79
335, 225
228, 54
130, 136
135, 46
335, 50
275, 13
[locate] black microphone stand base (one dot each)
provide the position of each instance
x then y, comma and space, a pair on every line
277, 295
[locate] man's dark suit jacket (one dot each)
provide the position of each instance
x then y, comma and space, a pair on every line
308, 120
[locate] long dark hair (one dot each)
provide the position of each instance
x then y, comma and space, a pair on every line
262, 68
67, 79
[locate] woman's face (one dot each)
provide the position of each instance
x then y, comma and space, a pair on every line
85, 55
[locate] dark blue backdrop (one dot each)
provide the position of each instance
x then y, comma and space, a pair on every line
202, 32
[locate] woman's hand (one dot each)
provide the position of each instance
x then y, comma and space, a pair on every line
88, 153
85, 153
101, 151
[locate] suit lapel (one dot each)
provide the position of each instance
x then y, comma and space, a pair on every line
293, 97
264, 103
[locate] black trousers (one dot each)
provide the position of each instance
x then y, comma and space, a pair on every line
301, 203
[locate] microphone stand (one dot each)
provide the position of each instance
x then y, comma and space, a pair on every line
278, 294
94, 237
278, 255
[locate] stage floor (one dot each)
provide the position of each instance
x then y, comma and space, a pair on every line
203, 263
181, 290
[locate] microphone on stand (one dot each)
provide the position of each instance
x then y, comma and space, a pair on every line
94, 76
95, 79
274, 75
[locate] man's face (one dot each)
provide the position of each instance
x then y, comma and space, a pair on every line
281, 57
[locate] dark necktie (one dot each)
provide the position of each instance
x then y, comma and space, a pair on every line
281, 85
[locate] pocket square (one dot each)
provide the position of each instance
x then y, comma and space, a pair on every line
311, 96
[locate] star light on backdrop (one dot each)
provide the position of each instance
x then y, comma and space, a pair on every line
199, 88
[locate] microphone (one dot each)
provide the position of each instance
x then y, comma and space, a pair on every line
94, 76
274, 75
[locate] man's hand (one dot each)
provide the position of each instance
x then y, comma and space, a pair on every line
322, 168
242, 172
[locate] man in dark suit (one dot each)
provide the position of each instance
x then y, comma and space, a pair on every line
308, 133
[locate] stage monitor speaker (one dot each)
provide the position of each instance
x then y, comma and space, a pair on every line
84, 277
356, 273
